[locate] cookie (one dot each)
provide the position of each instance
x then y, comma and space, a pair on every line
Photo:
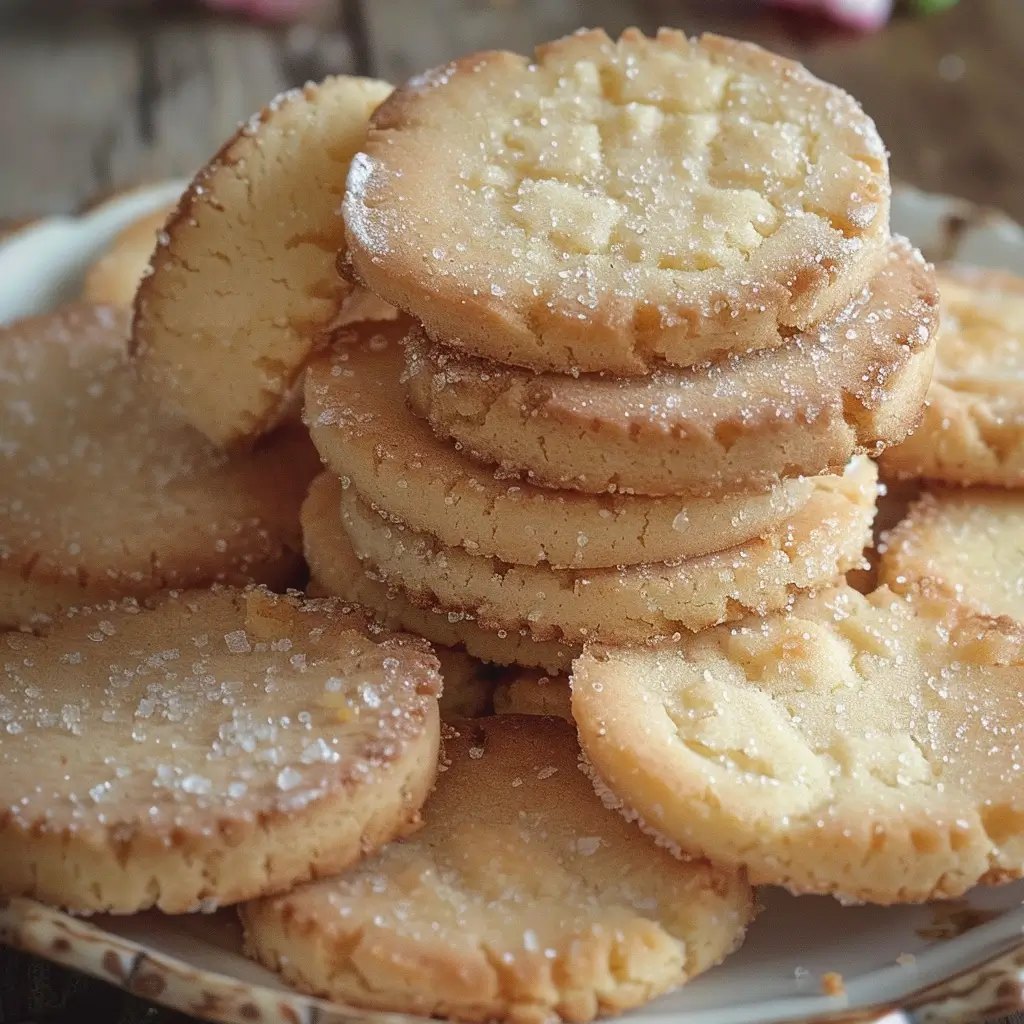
104, 495
211, 747
966, 545
531, 693
243, 282
521, 899
634, 604
744, 424
114, 278
616, 204
359, 421
866, 746
336, 570
973, 427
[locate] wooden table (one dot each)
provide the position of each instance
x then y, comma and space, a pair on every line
96, 95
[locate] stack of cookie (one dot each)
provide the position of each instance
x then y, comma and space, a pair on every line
650, 324
656, 314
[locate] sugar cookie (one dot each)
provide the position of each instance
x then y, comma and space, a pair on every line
967, 545
634, 604
531, 693
114, 278
357, 415
103, 495
855, 384
243, 280
618, 203
216, 746
863, 746
973, 428
336, 570
521, 899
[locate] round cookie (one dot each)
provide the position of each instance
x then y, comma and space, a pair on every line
359, 421
615, 204
973, 427
104, 495
634, 604
521, 899
966, 545
211, 747
866, 746
530, 693
114, 278
745, 423
336, 570
243, 282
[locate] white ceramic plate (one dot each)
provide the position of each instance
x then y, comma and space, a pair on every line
945, 962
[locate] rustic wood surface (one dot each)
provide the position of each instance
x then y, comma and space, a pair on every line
97, 95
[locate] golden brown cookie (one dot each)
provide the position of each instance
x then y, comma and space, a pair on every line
973, 427
521, 899
863, 746
966, 545
854, 384
525, 692
114, 278
616, 203
359, 421
104, 495
208, 748
243, 282
336, 570
633, 604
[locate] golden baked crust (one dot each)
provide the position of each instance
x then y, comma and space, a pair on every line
114, 278
211, 747
336, 570
521, 899
965, 545
973, 426
854, 384
243, 280
632, 604
359, 421
614, 204
866, 746
104, 495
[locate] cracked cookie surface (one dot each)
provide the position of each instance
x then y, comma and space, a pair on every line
210, 747
618, 203
244, 280
632, 604
105, 496
521, 898
358, 418
973, 426
853, 384
865, 746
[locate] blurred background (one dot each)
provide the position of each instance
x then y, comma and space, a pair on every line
97, 95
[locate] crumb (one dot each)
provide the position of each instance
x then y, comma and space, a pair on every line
832, 984
906, 959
